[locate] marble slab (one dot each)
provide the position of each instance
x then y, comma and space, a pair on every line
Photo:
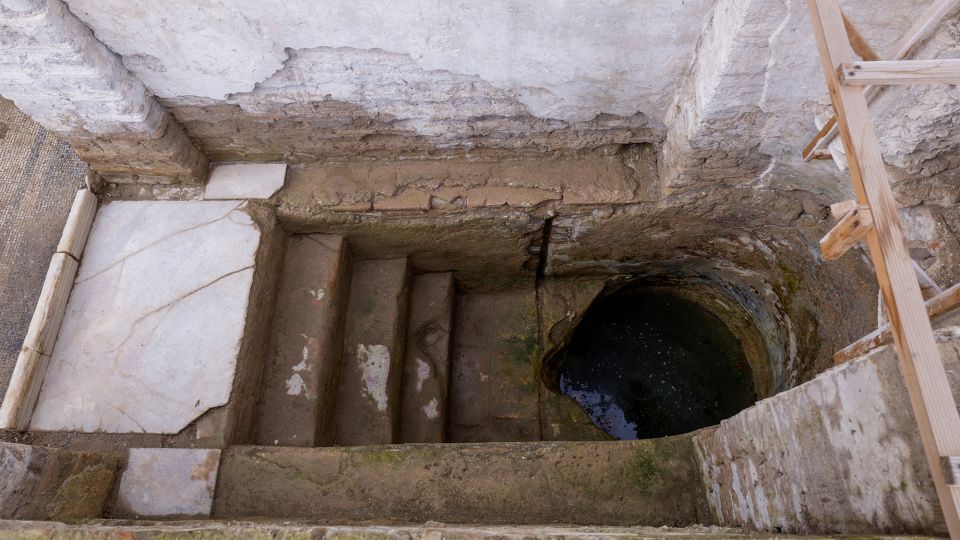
153, 327
245, 181
165, 482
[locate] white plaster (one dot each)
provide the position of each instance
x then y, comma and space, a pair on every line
430, 410
295, 385
318, 294
154, 322
565, 60
374, 361
245, 181
59, 74
169, 482
423, 373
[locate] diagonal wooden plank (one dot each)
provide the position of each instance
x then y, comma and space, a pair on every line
923, 372
859, 43
943, 302
921, 29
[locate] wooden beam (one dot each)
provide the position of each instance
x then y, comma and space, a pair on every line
920, 30
809, 152
924, 376
943, 303
928, 287
852, 227
840, 209
901, 72
859, 43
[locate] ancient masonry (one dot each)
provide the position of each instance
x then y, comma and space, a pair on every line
502, 269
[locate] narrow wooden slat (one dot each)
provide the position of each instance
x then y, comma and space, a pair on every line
928, 287
900, 72
860, 44
934, 14
936, 306
809, 152
924, 375
951, 465
851, 228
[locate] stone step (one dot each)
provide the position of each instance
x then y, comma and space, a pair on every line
368, 399
652, 482
426, 371
299, 391
494, 385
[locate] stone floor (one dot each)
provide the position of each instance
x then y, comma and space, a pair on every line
40, 176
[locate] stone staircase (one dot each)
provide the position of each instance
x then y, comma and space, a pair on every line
370, 352
359, 353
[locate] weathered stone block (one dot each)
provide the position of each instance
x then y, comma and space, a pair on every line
653, 482
299, 391
368, 400
426, 369
39, 483
840, 453
245, 181
168, 482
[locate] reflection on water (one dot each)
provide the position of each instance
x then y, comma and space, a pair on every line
647, 364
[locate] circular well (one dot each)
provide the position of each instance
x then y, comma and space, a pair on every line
644, 363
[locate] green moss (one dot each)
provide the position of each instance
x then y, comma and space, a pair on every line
643, 469
791, 279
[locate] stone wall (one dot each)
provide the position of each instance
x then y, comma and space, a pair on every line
839, 454
56, 71
39, 483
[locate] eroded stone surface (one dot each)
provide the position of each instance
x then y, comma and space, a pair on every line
368, 399
562, 303
627, 482
168, 482
153, 327
847, 455
299, 390
426, 367
245, 181
68, 81
494, 384
46, 483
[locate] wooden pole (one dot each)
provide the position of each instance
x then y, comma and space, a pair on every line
926, 380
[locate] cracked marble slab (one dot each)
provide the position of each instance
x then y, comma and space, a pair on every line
154, 322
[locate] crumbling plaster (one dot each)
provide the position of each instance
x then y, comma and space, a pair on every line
569, 61
735, 82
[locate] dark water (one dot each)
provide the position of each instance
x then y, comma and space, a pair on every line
649, 364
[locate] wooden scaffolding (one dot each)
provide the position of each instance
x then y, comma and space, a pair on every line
873, 218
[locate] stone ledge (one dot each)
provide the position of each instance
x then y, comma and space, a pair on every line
38, 483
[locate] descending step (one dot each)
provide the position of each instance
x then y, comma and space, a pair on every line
653, 482
426, 371
494, 386
300, 379
368, 400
